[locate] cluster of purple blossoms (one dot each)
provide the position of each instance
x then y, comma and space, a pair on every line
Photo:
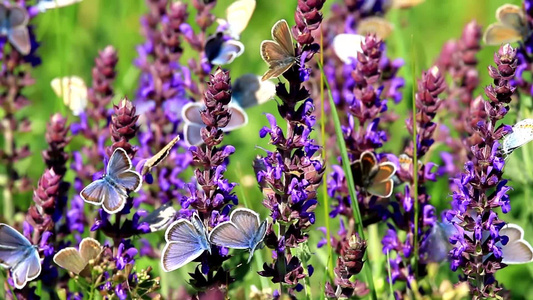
290, 175
481, 188
416, 220
525, 52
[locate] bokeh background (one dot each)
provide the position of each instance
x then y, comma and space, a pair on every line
72, 36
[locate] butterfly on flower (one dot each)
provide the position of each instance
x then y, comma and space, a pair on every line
512, 26
77, 261
373, 177
279, 54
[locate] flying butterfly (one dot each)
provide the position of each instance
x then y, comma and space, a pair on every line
220, 50
347, 45
186, 241
44, 5
512, 26
249, 90
19, 255
194, 124
521, 135
76, 261
160, 218
14, 20
517, 250
159, 156
111, 191
244, 230
74, 92
278, 54
375, 25
373, 177
238, 14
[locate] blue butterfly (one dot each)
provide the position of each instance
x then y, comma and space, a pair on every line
243, 231
160, 218
19, 255
186, 240
111, 191
222, 51
13, 24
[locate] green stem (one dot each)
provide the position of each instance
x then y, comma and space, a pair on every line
415, 161
391, 291
351, 185
9, 210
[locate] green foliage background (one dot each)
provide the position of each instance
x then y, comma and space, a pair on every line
71, 37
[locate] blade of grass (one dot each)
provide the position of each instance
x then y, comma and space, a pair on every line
415, 156
325, 198
351, 185
391, 290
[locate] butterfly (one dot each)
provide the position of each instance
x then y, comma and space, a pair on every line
347, 45
437, 246
521, 135
159, 156
194, 124
249, 90
186, 240
76, 261
375, 25
374, 178
19, 255
517, 250
14, 20
220, 50
111, 191
45, 5
512, 26
160, 218
238, 14
278, 54
243, 231
74, 92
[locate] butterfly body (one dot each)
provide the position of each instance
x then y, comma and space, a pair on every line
19, 255
242, 231
517, 250
111, 191
373, 177
279, 54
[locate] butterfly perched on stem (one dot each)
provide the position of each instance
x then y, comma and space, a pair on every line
374, 178
111, 191
512, 26
279, 54
19, 255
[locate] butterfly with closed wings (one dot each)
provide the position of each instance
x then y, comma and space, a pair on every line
160, 156
76, 261
512, 26
14, 24
279, 54
111, 191
186, 241
374, 178
244, 230
74, 92
19, 255
521, 135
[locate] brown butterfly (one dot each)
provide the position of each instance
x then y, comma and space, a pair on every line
278, 54
76, 261
512, 26
159, 156
375, 25
374, 178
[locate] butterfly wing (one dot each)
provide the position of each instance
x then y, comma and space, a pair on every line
278, 61
27, 269
190, 112
384, 172
248, 90
17, 16
95, 192
19, 37
346, 46
227, 234
159, 156
192, 134
239, 14
368, 162
161, 217
517, 250
375, 25
382, 189
281, 34
12, 246
44, 5
119, 171
184, 244
258, 238
247, 221
239, 118
70, 260
498, 33
511, 15
90, 249
229, 50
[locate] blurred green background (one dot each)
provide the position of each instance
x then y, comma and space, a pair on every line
72, 36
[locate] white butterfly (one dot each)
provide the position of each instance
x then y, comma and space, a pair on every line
74, 92
347, 45
19, 255
238, 14
517, 250
45, 5
76, 261
521, 135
